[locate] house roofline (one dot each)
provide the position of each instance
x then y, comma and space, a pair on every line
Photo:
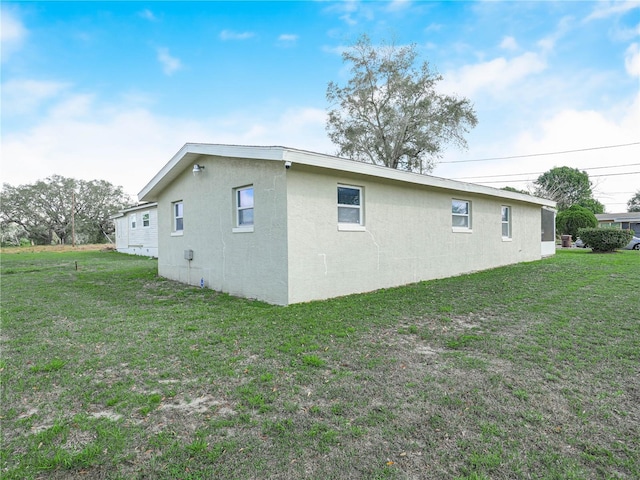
618, 217
190, 152
141, 206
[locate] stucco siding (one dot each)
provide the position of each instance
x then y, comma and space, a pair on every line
249, 264
408, 235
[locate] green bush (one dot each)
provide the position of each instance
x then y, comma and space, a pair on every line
569, 221
605, 239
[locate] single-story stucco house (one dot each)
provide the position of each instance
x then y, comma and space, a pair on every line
625, 221
286, 226
137, 230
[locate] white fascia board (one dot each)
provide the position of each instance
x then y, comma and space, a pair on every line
142, 206
190, 152
361, 168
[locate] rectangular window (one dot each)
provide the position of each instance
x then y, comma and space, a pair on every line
350, 205
133, 221
244, 209
461, 214
506, 222
178, 217
146, 219
548, 225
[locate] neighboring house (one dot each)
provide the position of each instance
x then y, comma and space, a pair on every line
137, 230
625, 221
286, 226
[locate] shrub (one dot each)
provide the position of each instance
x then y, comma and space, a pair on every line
605, 239
569, 221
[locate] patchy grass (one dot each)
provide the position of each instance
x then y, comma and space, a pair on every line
526, 371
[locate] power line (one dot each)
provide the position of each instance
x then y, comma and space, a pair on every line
533, 179
544, 154
540, 173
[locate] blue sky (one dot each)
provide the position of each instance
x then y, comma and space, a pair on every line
111, 90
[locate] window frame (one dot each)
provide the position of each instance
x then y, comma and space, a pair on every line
468, 228
148, 219
132, 221
238, 208
507, 223
174, 214
358, 226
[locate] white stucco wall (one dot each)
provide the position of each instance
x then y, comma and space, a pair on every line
250, 264
408, 235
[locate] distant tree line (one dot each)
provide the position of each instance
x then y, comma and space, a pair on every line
51, 210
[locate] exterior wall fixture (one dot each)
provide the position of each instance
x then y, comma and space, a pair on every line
197, 169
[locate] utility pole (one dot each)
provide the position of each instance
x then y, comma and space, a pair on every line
73, 219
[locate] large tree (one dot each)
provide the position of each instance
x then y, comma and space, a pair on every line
633, 205
391, 113
564, 185
44, 209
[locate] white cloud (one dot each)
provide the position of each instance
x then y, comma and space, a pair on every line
21, 97
493, 76
608, 9
567, 129
231, 35
509, 43
287, 39
549, 42
169, 64
396, 5
632, 60
433, 27
12, 32
148, 15
126, 144
574, 129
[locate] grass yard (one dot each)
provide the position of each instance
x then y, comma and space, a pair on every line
526, 371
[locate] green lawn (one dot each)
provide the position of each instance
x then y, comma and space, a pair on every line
526, 371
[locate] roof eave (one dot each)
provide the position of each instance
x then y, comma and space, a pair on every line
190, 152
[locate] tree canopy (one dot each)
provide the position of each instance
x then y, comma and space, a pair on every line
564, 185
570, 220
633, 205
43, 210
390, 112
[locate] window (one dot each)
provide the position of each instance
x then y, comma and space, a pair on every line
349, 206
146, 219
548, 225
461, 214
506, 222
244, 209
133, 221
178, 217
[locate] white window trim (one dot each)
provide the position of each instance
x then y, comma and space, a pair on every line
247, 229
133, 221
236, 194
149, 216
457, 229
175, 232
508, 238
353, 227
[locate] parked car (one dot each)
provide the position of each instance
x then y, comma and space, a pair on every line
579, 243
634, 244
